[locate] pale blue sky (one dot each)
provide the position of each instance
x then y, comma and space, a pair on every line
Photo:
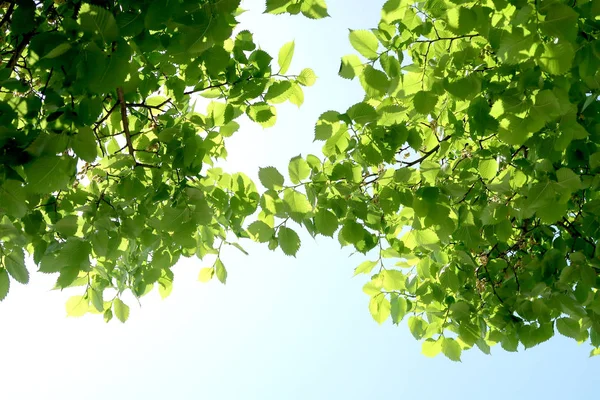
282, 328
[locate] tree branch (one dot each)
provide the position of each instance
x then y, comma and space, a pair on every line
123, 105
218, 85
8, 13
425, 155
447, 38
19, 49
143, 105
105, 117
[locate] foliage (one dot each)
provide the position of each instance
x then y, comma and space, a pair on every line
470, 171
468, 174
106, 174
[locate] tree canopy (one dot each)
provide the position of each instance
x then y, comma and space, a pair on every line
467, 175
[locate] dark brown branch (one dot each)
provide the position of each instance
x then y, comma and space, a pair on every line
123, 105
206, 88
108, 113
447, 38
218, 85
425, 64
19, 49
426, 154
139, 164
143, 105
8, 14
47, 81
523, 147
466, 194
574, 232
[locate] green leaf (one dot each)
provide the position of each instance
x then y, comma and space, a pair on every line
462, 20
97, 21
121, 310
260, 231
515, 46
568, 180
425, 102
464, 88
277, 6
298, 169
380, 308
488, 168
13, 199
326, 222
560, 21
263, 113
350, 66
390, 65
67, 226
557, 58
165, 287
220, 271
77, 306
288, 240
206, 274
352, 231
58, 50
362, 113
271, 178
307, 77
4, 284
417, 327
451, 349
374, 82
365, 42
23, 18
432, 348
96, 299
426, 237
296, 202
286, 53
297, 96
84, 144
365, 268
399, 307
14, 262
327, 125
314, 9
569, 327
279, 92
47, 174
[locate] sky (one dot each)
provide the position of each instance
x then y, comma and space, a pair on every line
282, 327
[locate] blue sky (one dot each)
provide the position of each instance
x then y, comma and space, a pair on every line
282, 328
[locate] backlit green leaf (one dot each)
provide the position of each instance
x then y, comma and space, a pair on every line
286, 53
307, 77
270, 178
121, 310
298, 169
451, 349
380, 307
4, 284
365, 42
77, 306
288, 240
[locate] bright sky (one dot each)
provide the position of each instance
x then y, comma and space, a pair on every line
282, 328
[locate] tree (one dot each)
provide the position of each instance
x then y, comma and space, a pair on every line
467, 175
